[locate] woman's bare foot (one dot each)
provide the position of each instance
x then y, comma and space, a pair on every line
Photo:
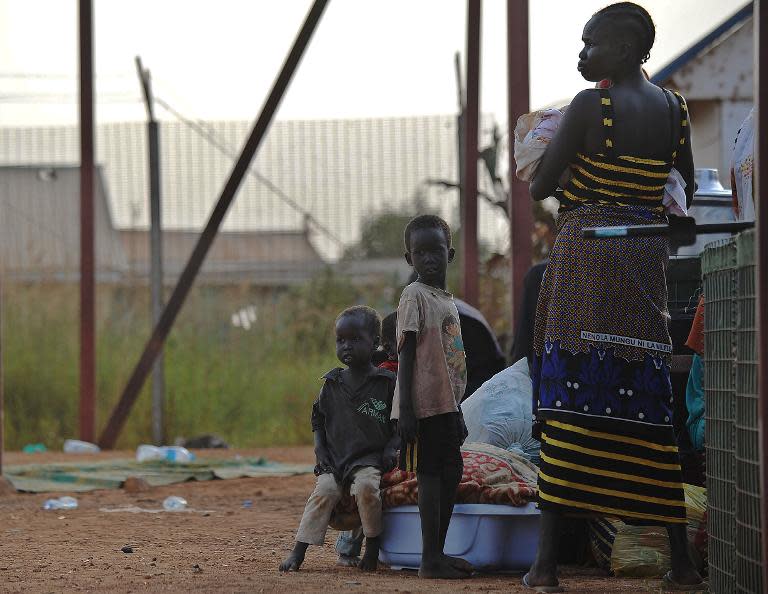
689, 581
442, 570
541, 581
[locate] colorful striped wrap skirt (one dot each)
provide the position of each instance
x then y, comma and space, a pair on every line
602, 395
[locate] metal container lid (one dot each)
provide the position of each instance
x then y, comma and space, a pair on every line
711, 204
709, 185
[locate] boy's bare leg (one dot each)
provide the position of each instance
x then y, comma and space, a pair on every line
370, 560
447, 501
434, 564
296, 558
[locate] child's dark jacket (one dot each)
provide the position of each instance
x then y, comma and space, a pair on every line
356, 422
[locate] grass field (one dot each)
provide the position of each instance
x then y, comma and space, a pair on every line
252, 387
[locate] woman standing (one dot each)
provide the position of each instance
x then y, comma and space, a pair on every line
602, 393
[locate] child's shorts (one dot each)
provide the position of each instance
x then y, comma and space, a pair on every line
437, 450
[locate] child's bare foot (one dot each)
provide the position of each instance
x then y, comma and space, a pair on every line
347, 561
370, 560
442, 570
295, 559
460, 564
368, 564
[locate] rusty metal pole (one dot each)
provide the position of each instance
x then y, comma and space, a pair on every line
2, 382
87, 272
184, 284
518, 102
761, 231
155, 249
471, 274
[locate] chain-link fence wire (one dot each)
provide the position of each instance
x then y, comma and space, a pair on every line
316, 226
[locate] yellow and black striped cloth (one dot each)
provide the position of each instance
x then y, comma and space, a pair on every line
632, 472
620, 180
409, 460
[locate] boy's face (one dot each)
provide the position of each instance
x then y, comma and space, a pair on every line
354, 341
389, 346
429, 255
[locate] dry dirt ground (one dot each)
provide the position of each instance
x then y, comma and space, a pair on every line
226, 548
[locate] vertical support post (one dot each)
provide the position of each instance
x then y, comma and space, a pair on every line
2, 380
518, 98
87, 264
156, 280
471, 276
240, 169
155, 250
761, 231
460, 149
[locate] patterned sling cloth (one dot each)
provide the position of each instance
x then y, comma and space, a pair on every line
601, 384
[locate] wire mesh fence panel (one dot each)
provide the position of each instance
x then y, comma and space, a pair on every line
748, 540
315, 227
719, 272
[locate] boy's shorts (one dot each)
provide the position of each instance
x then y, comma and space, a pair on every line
437, 448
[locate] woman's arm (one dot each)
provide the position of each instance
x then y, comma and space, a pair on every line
568, 140
684, 162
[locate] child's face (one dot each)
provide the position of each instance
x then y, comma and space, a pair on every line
389, 347
429, 255
354, 342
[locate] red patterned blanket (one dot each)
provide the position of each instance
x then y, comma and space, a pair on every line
491, 475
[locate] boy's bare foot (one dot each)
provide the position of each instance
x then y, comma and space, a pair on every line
295, 559
347, 561
443, 570
460, 564
370, 560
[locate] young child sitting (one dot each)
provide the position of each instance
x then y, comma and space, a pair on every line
354, 438
350, 542
432, 375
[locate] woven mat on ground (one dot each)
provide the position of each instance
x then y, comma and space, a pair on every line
82, 476
491, 475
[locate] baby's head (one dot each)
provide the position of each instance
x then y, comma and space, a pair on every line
358, 333
389, 336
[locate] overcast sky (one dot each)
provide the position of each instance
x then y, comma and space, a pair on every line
368, 58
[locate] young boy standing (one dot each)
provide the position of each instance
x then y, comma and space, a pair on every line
432, 376
354, 440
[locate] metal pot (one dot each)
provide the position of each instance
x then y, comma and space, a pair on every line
712, 203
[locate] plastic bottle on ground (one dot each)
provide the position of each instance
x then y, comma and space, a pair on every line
174, 503
75, 446
145, 453
64, 502
176, 454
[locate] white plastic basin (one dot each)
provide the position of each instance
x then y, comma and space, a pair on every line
491, 537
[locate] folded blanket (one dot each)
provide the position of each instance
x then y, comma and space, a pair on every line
491, 475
